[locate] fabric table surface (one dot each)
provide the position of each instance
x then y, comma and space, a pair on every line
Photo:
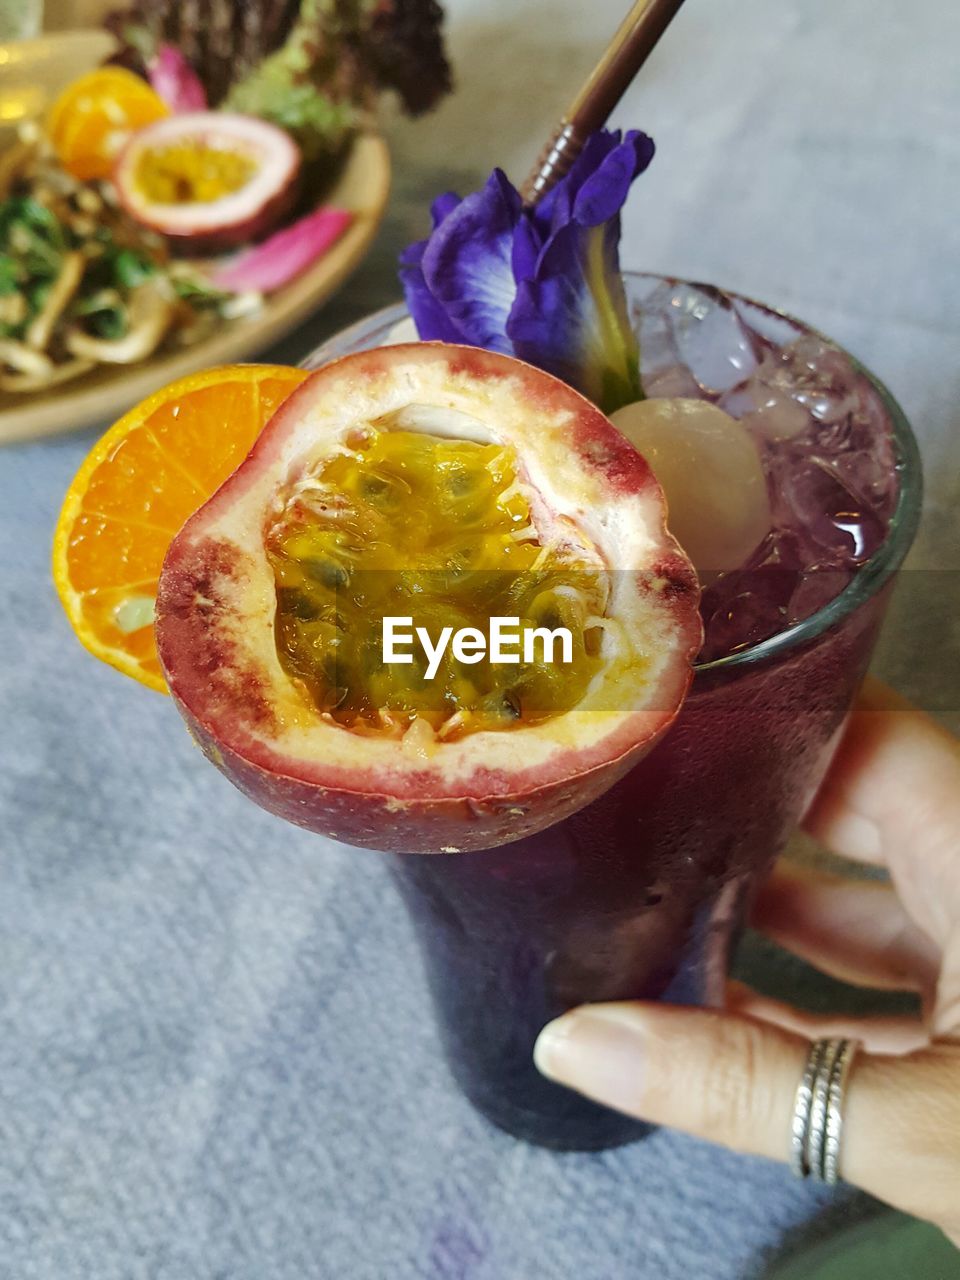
217, 1058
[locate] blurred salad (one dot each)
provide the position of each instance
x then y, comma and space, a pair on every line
82, 284
214, 133
314, 68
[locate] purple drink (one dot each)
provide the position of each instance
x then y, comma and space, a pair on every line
641, 895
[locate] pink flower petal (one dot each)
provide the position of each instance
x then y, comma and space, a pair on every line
285, 254
173, 78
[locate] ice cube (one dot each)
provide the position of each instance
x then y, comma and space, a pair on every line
827, 514
746, 607
816, 588
820, 377
777, 416
768, 328
713, 342
710, 470
775, 401
652, 321
859, 449
872, 476
671, 381
781, 549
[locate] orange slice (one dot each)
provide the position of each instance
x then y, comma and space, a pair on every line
137, 487
94, 116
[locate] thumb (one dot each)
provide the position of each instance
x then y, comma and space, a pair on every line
732, 1079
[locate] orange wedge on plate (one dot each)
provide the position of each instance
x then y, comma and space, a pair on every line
94, 116
137, 487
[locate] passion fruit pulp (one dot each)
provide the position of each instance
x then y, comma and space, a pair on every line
384, 484
436, 531
191, 173
208, 180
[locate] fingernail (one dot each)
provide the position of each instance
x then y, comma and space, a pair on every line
861, 836
598, 1050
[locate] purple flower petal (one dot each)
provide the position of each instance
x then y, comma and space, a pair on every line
442, 206
604, 192
571, 318
527, 246
541, 283
556, 208
433, 324
467, 263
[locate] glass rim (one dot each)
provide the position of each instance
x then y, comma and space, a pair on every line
868, 579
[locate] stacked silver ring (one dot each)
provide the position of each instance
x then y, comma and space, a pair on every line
817, 1124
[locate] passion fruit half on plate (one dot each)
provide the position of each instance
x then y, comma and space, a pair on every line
440, 488
208, 180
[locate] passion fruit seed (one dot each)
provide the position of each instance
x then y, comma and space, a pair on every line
189, 172
436, 529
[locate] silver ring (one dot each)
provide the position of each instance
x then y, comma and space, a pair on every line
800, 1124
817, 1123
834, 1127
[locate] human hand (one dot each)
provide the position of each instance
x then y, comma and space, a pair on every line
891, 797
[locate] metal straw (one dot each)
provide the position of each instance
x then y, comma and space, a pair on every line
605, 86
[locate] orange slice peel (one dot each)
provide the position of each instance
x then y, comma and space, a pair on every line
94, 116
136, 488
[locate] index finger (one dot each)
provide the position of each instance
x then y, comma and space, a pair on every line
892, 796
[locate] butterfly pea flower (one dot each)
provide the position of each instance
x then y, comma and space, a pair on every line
542, 284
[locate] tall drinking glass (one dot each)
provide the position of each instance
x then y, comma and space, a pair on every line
642, 894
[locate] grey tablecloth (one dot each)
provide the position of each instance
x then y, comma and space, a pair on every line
216, 1055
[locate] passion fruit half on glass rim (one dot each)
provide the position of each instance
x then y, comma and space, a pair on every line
208, 180
442, 489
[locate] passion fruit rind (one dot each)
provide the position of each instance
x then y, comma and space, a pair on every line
265, 194
216, 612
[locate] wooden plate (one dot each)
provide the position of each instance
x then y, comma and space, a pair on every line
106, 392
